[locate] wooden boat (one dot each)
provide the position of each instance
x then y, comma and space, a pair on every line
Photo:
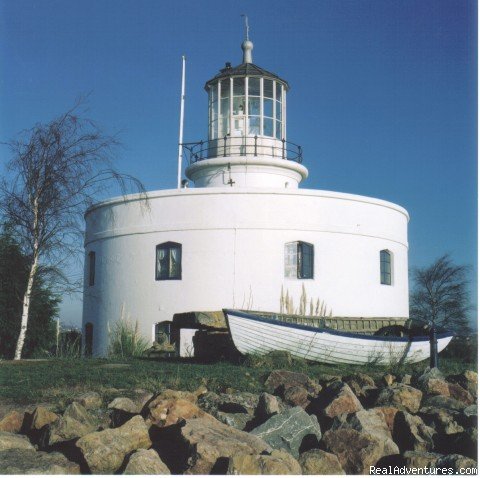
264, 333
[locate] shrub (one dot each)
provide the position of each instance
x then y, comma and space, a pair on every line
125, 340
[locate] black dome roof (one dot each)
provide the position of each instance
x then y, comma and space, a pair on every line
245, 69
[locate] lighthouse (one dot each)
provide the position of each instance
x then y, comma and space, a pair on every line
246, 235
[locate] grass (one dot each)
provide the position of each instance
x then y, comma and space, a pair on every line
57, 381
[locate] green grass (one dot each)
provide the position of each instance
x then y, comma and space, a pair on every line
57, 381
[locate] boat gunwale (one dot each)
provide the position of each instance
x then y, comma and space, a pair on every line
422, 338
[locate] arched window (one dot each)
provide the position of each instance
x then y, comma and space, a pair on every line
168, 263
88, 339
299, 260
91, 268
385, 267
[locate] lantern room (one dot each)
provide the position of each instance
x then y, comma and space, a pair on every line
246, 143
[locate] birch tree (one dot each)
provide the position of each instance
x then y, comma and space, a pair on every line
56, 171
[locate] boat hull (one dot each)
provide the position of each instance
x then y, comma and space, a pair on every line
257, 335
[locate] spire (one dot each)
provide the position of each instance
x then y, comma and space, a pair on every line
247, 45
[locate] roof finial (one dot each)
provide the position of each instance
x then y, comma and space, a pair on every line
247, 45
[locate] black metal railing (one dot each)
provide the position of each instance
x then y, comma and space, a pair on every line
242, 146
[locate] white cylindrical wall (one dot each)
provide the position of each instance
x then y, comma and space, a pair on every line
233, 244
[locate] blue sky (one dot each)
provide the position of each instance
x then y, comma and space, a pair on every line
383, 93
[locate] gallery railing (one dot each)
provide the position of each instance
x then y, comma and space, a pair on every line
242, 146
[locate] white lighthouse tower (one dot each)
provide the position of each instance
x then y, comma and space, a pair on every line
245, 236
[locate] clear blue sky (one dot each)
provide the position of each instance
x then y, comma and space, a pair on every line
382, 100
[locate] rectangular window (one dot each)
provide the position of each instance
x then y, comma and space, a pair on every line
385, 267
239, 87
254, 125
168, 261
254, 106
299, 260
268, 88
91, 268
253, 86
268, 127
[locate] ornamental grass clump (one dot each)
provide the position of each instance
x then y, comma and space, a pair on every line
125, 339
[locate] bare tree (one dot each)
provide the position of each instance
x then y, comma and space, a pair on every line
56, 172
440, 296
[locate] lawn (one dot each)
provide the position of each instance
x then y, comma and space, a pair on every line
57, 381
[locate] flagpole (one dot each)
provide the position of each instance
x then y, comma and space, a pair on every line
180, 135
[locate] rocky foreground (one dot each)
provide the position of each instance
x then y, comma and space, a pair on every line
302, 425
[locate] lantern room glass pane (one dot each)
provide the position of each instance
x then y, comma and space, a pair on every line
213, 93
254, 125
278, 130
254, 106
268, 108
225, 106
225, 88
238, 86
268, 127
213, 130
278, 112
224, 130
279, 91
268, 88
253, 86
238, 105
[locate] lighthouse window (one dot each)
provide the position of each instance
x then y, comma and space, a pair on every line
268, 88
253, 86
268, 127
279, 91
278, 111
91, 268
268, 108
238, 86
168, 261
299, 260
385, 267
254, 125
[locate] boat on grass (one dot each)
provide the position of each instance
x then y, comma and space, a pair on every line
261, 333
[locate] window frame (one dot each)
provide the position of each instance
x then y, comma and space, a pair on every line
386, 277
91, 268
302, 249
168, 246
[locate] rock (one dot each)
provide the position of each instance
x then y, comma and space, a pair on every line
240, 402
235, 420
292, 430
146, 462
124, 404
458, 463
457, 392
356, 451
362, 379
406, 379
296, 397
325, 379
166, 412
105, 451
440, 401
41, 417
464, 443
410, 433
400, 396
9, 441
444, 421
267, 406
468, 380
335, 399
388, 415
31, 462
371, 422
168, 394
279, 380
420, 459
203, 446
90, 400
319, 462
12, 422
141, 398
470, 416
388, 379
278, 463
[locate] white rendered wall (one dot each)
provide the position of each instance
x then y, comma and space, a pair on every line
233, 254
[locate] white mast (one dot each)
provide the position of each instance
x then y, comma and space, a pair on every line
180, 134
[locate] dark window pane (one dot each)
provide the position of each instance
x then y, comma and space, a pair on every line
168, 261
278, 111
253, 86
278, 130
268, 88
385, 267
238, 86
225, 88
91, 268
279, 91
253, 106
305, 260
